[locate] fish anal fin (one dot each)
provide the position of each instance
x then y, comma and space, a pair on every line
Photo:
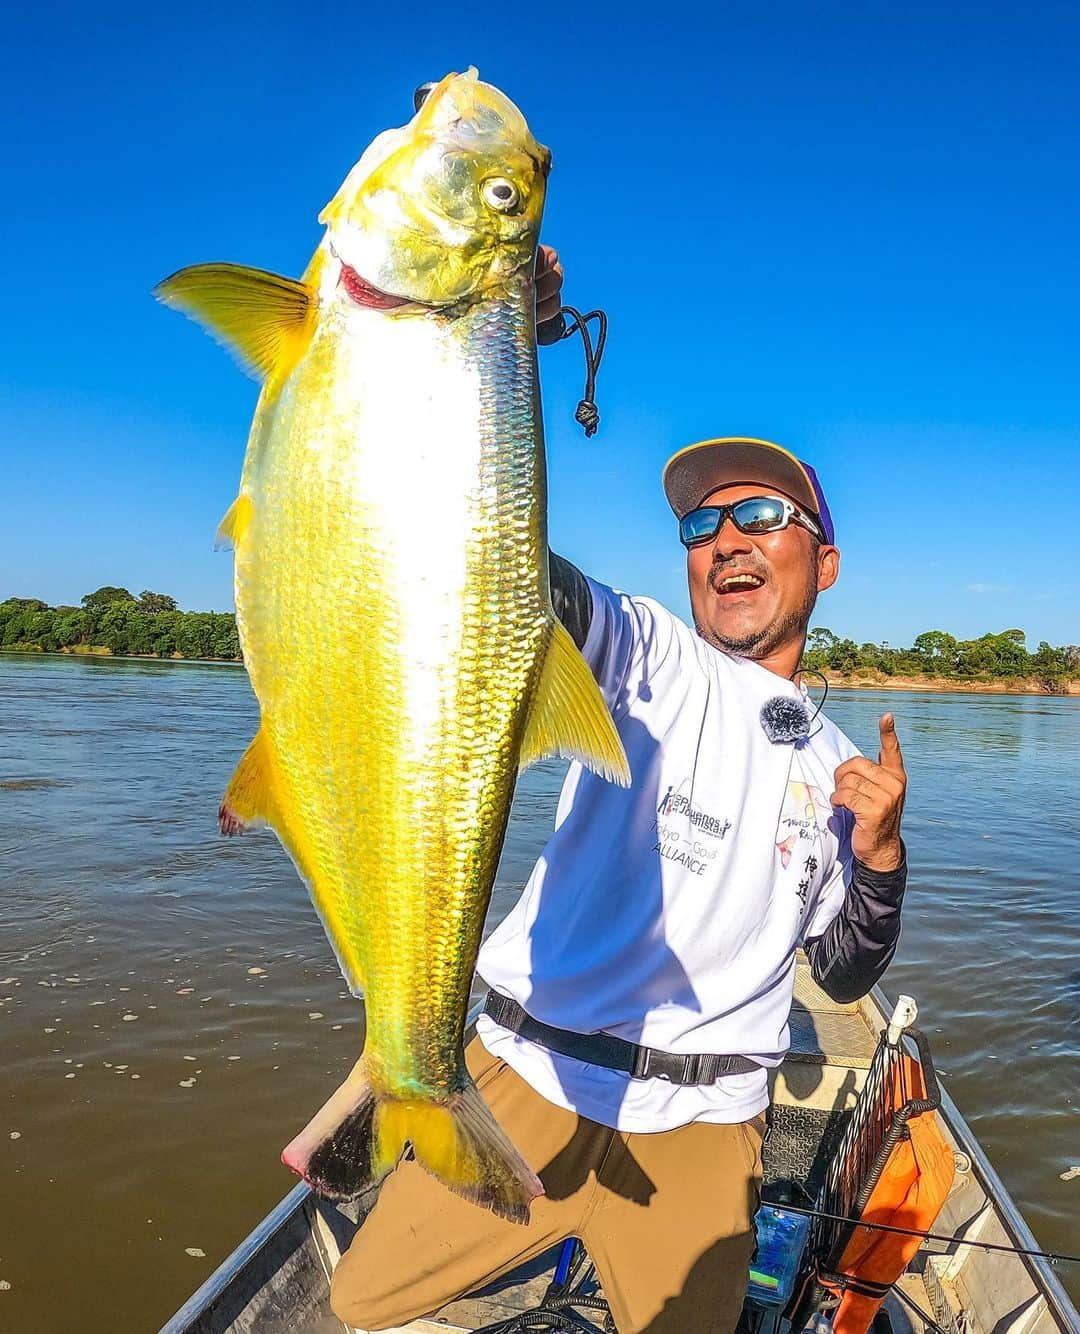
237, 517
569, 716
249, 799
266, 320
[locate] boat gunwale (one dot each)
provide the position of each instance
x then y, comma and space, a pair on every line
997, 1193
200, 1301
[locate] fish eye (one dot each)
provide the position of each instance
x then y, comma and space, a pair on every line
420, 96
500, 194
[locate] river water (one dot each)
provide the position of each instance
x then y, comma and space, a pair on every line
170, 1012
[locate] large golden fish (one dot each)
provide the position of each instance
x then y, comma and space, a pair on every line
393, 605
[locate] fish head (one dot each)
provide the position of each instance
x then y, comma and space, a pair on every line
445, 209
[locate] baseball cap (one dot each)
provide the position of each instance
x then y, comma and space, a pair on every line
696, 471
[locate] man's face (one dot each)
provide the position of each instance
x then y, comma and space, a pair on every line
757, 622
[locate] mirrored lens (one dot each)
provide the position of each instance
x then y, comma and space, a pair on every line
759, 514
699, 525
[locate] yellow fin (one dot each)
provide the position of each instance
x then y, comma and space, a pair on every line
237, 517
249, 799
253, 798
359, 1134
461, 1144
569, 716
266, 320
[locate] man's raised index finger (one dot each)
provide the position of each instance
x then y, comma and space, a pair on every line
890, 755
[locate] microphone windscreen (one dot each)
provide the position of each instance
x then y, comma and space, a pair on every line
785, 719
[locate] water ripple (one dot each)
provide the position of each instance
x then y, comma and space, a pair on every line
120, 899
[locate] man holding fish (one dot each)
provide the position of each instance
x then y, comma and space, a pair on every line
710, 822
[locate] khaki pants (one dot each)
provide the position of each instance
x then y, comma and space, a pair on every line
667, 1218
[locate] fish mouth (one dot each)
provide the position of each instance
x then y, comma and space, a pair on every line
735, 583
364, 293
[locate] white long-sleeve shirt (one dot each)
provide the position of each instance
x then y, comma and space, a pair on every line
668, 913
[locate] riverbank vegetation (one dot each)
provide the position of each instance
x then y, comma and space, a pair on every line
113, 621
936, 658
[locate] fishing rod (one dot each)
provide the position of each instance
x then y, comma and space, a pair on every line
930, 1236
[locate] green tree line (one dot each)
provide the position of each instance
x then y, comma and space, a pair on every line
935, 653
115, 620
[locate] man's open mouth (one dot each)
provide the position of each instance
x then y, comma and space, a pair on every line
736, 583
362, 292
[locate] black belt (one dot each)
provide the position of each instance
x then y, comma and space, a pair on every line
615, 1053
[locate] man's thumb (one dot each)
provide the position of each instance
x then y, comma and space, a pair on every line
890, 756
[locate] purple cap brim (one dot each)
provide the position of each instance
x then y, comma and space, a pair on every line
822, 506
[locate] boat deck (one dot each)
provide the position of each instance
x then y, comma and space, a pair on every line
277, 1282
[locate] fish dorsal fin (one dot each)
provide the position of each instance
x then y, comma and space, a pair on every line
267, 321
569, 716
231, 529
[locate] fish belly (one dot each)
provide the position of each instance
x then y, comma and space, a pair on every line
393, 604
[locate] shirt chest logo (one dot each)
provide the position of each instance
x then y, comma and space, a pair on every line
687, 835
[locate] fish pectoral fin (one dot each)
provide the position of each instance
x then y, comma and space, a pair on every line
231, 529
267, 321
249, 799
569, 716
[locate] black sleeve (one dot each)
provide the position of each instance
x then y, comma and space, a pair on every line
570, 597
860, 942
551, 331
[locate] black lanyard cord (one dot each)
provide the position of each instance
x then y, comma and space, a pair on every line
809, 671
587, 414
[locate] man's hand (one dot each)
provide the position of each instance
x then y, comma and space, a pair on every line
548, 283
874, 794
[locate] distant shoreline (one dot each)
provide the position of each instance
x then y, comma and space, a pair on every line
104, 655
944, 685
936, 685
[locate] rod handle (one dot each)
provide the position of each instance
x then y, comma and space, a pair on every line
904, 1014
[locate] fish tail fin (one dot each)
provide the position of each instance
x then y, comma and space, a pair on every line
359, 1134
334, 1153
461, 1144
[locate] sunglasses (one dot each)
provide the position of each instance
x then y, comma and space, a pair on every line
756, 514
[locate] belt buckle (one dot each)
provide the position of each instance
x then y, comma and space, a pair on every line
644, 1060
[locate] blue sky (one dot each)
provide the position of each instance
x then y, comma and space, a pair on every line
850, 228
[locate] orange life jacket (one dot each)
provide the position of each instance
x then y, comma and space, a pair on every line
910, 1192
